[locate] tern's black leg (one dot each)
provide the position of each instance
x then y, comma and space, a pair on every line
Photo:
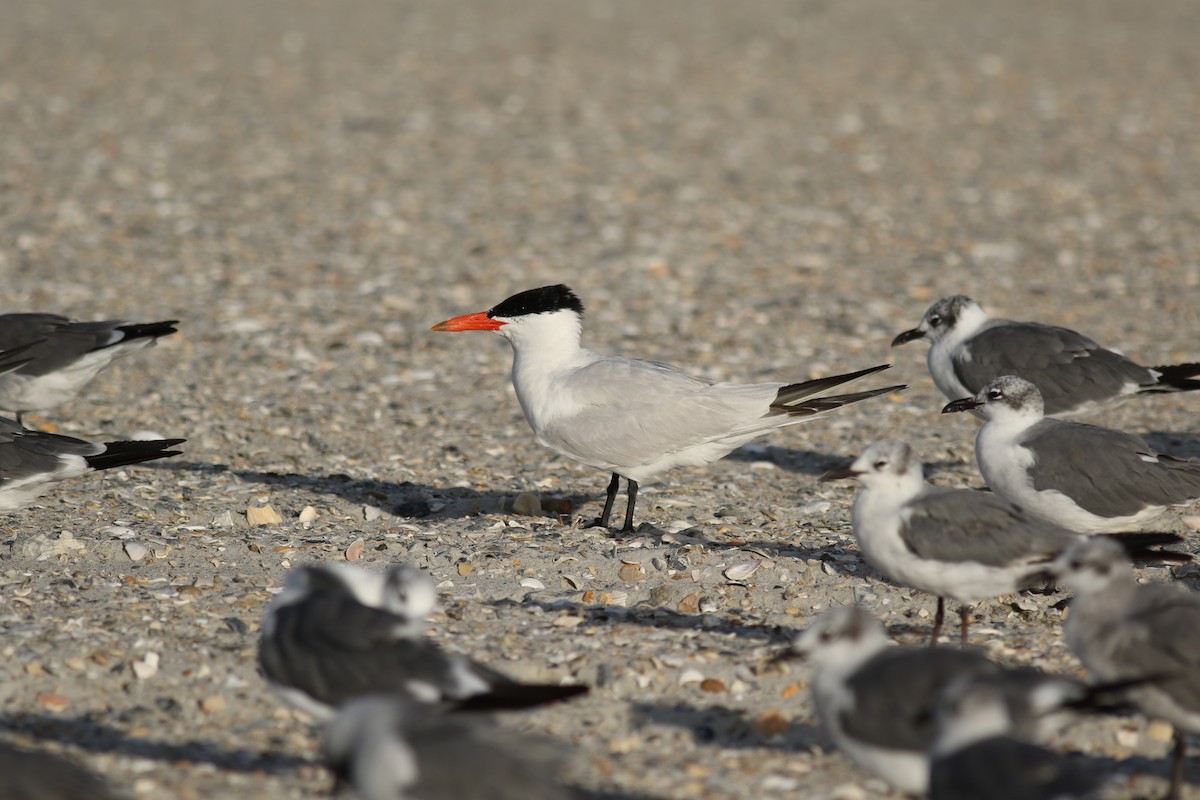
613, 486
20, 418
938, 619
1175, 792
964, 622
631, 490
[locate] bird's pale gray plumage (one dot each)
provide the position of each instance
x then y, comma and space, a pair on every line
979, 753
1083, 477
392, 749
1148, 634
1154, 632
634, 418
895, 692
622, 420
1107, 472
60, 355
1076, 375
55, 341
324, 646
963, 525
877, 701
32, 460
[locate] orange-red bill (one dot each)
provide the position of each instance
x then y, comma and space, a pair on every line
469, 322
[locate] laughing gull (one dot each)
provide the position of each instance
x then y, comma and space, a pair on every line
977, 754
959, 543
390, 748
32, 460
63, 355
34, 775
1123, 630
635, 418
1082, 477
877, 701
1075, 375
337, 632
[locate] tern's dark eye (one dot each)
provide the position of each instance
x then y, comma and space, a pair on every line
1075, 564
995, 394
881, 464
935, 320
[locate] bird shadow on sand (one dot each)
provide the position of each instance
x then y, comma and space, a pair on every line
97, 737
808, 462
405, 500
654, 616
730, 728
595, 794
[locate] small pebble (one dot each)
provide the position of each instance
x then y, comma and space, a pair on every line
146, 666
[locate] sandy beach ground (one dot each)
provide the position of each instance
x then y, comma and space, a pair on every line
764, 191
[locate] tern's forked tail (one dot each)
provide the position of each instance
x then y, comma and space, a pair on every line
801, 400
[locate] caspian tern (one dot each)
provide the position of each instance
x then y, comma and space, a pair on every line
1083, 477
32, 460
62, 355
958, 543
1075, 375
629, 417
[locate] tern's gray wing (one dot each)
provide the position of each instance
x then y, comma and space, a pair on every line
1067, 367
1002, 769
965, 525
895, 693
1159, 635
32, 775
333, 648
1107, 472
635, 412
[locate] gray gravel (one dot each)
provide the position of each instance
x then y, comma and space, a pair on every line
763, 192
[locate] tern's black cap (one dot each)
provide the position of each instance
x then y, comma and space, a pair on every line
545, 300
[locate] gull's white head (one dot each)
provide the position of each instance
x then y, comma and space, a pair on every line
956, 315
1006, 399
1092, 566
841, 636
402, 590
890, 464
